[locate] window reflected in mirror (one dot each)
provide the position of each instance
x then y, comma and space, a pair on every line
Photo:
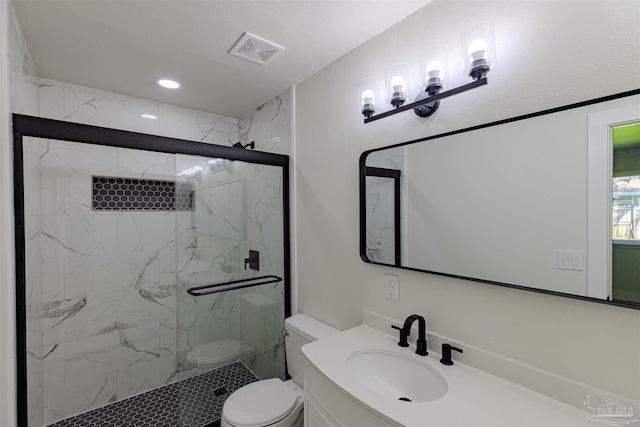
625, 214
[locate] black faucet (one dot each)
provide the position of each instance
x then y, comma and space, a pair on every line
405, 331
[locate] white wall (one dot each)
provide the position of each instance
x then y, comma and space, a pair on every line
18, 94
549, 54
7, 297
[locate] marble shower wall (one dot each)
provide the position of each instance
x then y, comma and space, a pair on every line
253, 316
108, 280
79, 104
380, 206
269, 125
108, 307
23, 88
238, 208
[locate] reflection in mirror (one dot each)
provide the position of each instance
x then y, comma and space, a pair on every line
383, 207
625, 216
502, 203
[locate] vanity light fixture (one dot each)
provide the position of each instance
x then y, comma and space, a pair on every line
168, 83
478, 58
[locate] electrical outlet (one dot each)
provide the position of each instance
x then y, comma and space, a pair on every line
391, 287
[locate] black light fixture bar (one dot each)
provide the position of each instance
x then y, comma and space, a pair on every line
438, 96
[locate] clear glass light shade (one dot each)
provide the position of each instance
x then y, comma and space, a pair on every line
367, 97
478, 50
434, 69
397, 84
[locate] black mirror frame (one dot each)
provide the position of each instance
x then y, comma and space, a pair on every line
363, 203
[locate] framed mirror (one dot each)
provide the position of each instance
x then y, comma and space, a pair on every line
509, 202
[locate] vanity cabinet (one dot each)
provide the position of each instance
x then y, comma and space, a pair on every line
327, 406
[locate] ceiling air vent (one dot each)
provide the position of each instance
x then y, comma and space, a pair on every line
255, 49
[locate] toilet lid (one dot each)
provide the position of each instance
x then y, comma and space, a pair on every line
260, 403
215, 352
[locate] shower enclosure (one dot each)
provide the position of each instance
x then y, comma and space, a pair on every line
142, 261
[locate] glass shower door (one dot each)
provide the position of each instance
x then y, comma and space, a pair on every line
113, 233
230, 278
100, 283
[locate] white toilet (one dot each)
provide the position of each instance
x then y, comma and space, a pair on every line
274, 402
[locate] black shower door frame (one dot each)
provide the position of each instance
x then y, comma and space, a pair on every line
29, 126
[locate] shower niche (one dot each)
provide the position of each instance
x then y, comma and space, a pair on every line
112, 229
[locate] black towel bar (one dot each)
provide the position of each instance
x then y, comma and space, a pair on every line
209, 289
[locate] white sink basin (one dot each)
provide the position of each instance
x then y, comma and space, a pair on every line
396, 376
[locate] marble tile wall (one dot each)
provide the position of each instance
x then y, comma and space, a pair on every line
380, 206
79, 104
238, 208
108, 307
269, 125
108, 280
260, 228
33, 287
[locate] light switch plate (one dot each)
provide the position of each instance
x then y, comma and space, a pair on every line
570, 260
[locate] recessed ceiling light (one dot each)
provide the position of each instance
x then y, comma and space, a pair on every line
168, 83
148, 116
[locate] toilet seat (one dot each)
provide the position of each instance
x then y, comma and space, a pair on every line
260, 403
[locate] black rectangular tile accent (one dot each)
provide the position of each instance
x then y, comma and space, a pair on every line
136, 194
187, 403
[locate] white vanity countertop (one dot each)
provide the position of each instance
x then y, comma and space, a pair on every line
474, 398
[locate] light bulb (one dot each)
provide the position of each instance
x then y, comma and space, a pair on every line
368, 97
477, 50
434, 70
398, 84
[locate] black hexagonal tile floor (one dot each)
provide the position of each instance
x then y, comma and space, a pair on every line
194, 402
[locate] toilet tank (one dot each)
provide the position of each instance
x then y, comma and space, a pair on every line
302, 330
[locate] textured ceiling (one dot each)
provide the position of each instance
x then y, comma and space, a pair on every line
123, 46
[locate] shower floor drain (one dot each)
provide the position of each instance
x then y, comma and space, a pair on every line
220, 391
194, 402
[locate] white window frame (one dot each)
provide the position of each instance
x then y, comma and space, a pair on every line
600, 167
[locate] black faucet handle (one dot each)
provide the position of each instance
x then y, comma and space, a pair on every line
446, 354
403, 336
